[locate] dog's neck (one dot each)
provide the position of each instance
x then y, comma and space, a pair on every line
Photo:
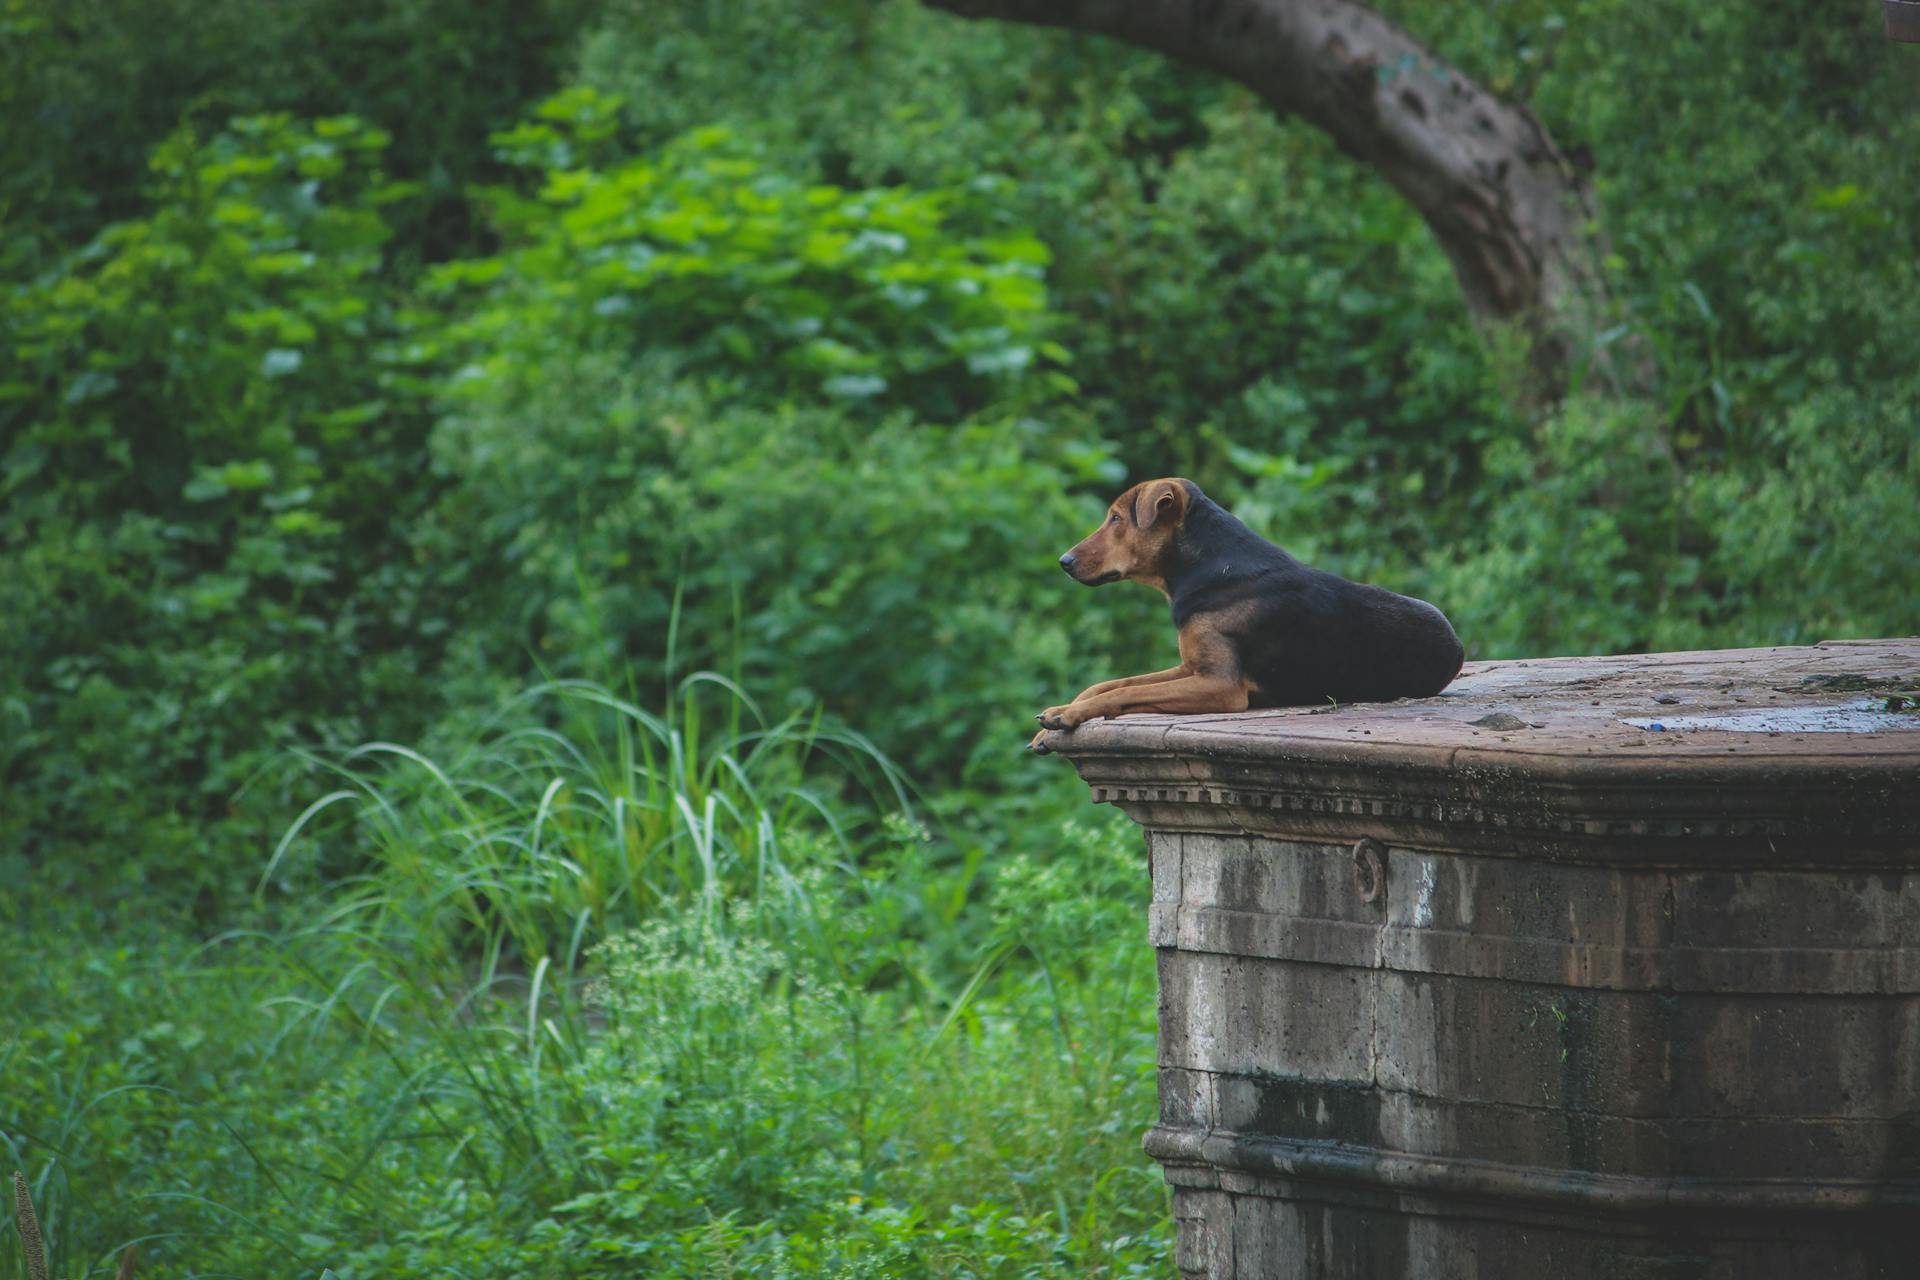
1212, 543
1213, 548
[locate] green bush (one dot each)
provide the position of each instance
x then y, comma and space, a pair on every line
89, 88
758, 284
696, 384
903, 576
1765, 486
1234, 292
211, 439
253, 511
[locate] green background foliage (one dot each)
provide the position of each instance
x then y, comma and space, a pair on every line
366, 364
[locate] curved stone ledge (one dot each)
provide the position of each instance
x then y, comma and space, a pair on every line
1574, 782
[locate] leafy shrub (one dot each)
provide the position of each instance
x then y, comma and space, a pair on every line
754, 281
211, 442
876, 568
1608, 536
695, 380
1230, 287
90, 87
249, 546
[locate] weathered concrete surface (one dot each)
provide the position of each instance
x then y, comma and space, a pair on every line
1501, 985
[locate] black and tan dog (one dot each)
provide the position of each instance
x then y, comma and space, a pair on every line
1257, 627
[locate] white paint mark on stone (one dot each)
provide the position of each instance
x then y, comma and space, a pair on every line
1423, 896
1862, 715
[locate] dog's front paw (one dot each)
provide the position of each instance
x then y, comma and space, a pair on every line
1059, 717
1038, 743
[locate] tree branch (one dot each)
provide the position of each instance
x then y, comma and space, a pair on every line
1511, 213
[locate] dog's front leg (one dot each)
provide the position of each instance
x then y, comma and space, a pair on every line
1187, 695
1128, 682
1108, 686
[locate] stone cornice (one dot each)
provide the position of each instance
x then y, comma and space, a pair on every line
1554, 759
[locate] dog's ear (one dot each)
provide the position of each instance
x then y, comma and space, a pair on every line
1161, 501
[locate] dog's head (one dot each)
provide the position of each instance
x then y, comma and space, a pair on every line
1132, 539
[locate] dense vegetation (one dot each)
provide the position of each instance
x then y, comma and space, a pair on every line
525, 562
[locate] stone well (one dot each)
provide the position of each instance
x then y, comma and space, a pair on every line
1587, 968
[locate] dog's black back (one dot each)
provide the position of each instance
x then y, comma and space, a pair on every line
1301, 635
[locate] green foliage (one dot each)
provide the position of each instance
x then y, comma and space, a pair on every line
1238, 298
694, 379
1767, 489
789, 1059
212, 436
759, 284
89, 87
255, 550
807, 550
1249, 308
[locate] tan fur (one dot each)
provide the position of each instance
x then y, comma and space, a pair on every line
1136, 530
1128, 544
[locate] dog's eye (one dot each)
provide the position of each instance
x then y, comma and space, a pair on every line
1114, 518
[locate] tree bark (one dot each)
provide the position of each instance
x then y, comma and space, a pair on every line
1513, 215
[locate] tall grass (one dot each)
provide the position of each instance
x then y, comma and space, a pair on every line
576, 813
610, 992
573, 815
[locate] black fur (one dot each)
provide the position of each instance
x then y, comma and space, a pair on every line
1303, 636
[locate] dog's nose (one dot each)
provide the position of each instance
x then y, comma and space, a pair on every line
1066, 562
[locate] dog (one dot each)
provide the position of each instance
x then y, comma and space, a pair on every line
1257, 627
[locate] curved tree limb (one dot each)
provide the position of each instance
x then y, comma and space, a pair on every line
1511, 213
